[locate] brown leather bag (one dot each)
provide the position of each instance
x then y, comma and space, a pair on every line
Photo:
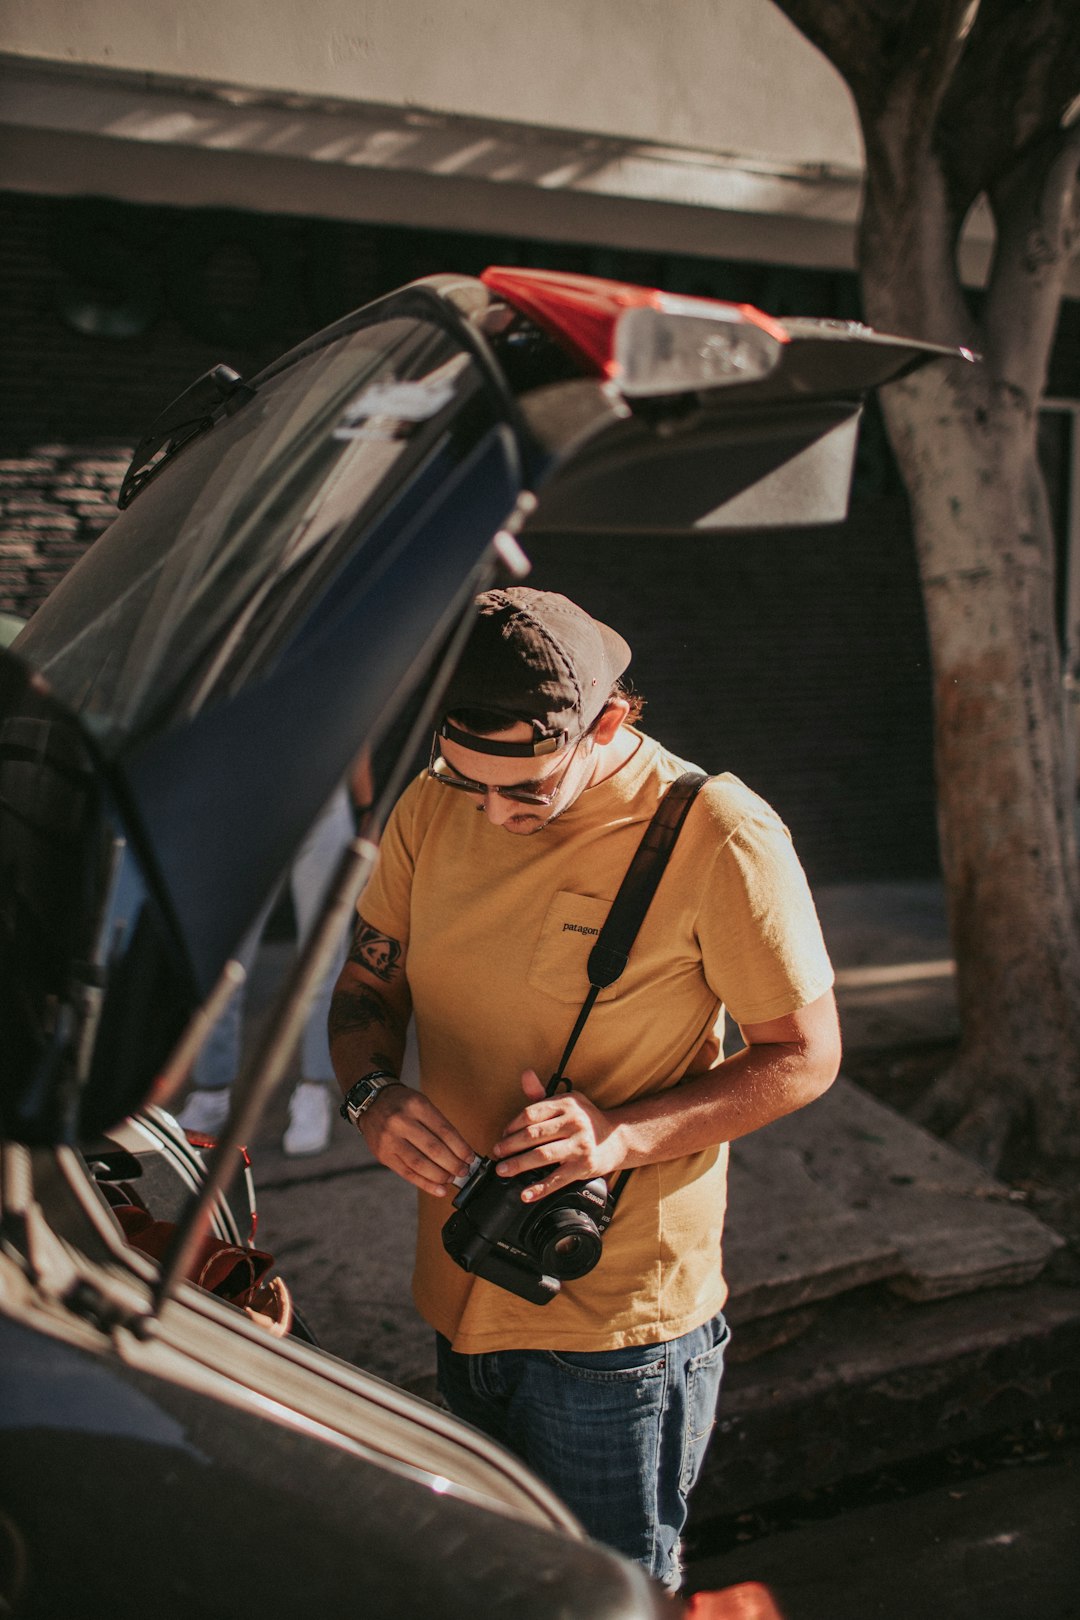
243, 1276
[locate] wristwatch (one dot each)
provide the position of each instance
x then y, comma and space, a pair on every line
361, 1095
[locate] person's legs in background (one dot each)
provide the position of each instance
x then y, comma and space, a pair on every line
311, 1104
207, 1105
310, 1107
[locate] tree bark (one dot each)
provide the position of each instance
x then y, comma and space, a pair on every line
965, 439
967, 449
1008, 855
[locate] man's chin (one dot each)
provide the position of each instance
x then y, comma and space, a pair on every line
524, 826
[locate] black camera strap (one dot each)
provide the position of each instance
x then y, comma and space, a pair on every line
609, 955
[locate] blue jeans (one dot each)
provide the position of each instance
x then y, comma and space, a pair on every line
309, 877
620, 1435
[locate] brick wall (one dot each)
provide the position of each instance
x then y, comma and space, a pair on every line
54, 500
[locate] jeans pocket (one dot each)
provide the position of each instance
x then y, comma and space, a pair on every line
703, 1376
602, 1366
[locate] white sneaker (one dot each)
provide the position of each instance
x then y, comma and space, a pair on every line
205, 1112
309, 1120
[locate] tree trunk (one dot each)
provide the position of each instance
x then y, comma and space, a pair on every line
1008, 854
965, 440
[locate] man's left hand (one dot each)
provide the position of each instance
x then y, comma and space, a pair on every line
566, 1132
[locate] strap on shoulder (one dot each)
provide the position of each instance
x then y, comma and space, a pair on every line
609, 955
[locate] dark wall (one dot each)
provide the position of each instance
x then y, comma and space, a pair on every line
797, 660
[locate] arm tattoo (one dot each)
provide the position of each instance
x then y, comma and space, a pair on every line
353, 1010
376, 952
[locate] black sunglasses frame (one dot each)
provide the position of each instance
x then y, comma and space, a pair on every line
465, 784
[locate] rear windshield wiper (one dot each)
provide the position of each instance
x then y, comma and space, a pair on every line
219, 391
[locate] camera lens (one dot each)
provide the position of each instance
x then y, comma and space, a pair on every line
566, 1243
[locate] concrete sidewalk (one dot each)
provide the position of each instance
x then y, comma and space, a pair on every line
895, 977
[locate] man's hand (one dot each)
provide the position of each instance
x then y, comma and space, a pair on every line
410, 1136
566, 1132
786, 1063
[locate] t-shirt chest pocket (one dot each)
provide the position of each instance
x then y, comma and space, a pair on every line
559, 965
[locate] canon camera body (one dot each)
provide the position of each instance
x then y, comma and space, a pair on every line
529, 1249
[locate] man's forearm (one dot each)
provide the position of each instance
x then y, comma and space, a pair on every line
366, 1031
785, 1064
402, 1128
749, 1090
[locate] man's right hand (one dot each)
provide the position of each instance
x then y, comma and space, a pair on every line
368, 1017
410, 1136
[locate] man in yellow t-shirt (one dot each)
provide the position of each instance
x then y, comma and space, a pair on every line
478, 922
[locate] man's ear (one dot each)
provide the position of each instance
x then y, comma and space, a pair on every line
611, 719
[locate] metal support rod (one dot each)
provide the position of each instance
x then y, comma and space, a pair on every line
199, 1029
261, 1075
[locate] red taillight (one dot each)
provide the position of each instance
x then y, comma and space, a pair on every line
578, 311
582, 312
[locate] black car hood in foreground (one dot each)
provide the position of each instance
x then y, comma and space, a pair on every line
296, 558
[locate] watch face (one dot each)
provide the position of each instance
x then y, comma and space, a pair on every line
362, 1094
356, 1100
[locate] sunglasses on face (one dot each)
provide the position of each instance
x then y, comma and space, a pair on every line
539, 793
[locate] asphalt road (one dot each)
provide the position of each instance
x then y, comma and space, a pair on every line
1005, 1546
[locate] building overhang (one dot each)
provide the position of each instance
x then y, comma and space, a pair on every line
142, 138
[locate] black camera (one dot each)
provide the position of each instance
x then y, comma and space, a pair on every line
529, 1249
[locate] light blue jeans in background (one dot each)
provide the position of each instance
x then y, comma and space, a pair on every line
620, 1435
309, 877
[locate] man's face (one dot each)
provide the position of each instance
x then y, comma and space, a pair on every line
570, 770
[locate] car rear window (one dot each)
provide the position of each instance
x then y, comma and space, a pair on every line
194, 583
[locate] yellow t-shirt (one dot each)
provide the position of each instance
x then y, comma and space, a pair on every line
498, 927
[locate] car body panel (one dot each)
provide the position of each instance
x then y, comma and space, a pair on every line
249, 1489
